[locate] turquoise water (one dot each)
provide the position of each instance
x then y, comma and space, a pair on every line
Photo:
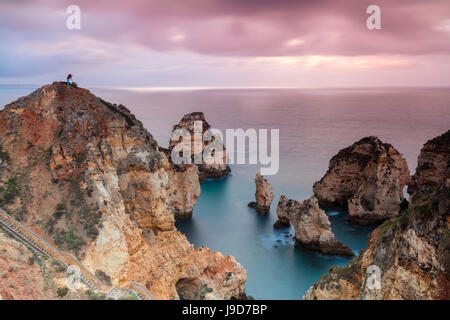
314, 125
275, 269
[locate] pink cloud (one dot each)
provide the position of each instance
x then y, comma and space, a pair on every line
227, 42
255, 27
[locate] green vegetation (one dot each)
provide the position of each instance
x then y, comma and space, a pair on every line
62, 291
91, 218
79, 157
18, 214
403, 220
131, 296
388, 224
92, 295
446, 238
392, 224
76, 194
58, 266
88, 215
50, 225
4, 156
204, 291
423, 206
78, 219
9, 192
61, 210
43, 156
103, 277
48, 154
347, 272
69, 240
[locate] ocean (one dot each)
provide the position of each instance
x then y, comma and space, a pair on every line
314, 124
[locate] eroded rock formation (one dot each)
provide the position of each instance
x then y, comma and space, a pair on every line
311, 225
412, 251
87, 176
208, 168
433, 165
368, 177
263, 195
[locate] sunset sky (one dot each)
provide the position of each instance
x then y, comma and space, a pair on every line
226, 43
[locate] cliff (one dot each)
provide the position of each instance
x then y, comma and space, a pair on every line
433, 165
368, 177
412, 251
86, 176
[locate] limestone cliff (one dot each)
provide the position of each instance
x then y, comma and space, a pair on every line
87, 176
311, 225
368, 177
412, 251
263, 195
433, 165
213, 169
20, 276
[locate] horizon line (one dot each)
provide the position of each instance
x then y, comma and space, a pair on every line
195, 88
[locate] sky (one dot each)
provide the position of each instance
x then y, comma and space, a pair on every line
226, 43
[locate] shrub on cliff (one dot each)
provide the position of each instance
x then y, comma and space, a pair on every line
9, 192
62, 291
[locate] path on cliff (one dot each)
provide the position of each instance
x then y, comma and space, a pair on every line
24, 234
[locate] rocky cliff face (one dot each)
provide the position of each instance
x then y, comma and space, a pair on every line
88, 177
263, 195
368, 177
213, 169
20, 275
311, 225
412, 251
433, 165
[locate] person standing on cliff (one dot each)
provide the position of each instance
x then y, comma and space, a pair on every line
69, 77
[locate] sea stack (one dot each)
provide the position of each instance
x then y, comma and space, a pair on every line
410, 253
311, 225
368, 177
216, 169
263, 195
